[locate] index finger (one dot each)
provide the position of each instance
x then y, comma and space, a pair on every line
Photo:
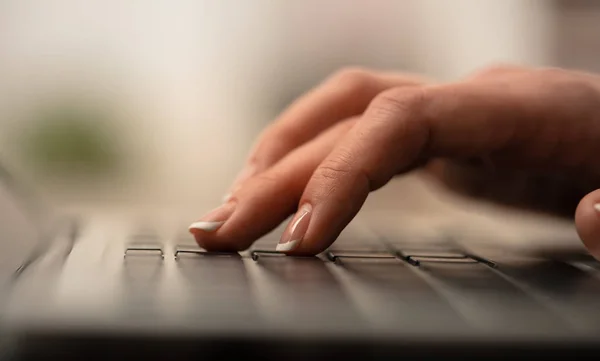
530, 123
344, 95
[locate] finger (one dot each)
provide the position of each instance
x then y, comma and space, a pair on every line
587, 221
552, 192
339, 186
529, 124
343, 95
499, 70
267, 199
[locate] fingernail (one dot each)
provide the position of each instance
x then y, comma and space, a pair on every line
295, 231
597, 207
212, 221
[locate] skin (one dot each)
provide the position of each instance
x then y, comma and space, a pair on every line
360, 128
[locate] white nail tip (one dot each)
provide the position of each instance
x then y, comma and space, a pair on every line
597, 207
206, 226
285, 247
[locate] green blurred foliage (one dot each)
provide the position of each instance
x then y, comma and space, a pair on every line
72, 139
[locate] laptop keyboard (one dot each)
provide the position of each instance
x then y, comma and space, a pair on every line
364, 285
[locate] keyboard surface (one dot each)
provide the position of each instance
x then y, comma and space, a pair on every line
367, 287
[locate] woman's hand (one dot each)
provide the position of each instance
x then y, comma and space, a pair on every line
359, 129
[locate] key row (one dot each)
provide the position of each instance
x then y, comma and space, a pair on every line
413, 257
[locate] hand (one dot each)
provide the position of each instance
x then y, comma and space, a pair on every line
359, 129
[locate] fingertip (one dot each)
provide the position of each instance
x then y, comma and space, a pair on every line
212, 243
314, 233
204, 236
587, 221
207, 230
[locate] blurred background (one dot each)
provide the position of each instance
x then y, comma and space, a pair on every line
157, 102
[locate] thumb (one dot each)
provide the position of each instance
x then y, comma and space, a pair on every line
587, 221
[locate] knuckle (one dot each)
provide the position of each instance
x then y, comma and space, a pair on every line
255, 156
495, 70
272, 184
552, 73
267, 179
332, 171
341, 170
272, 144
570, 84
352, 78
563, 78
407, 114
392, 102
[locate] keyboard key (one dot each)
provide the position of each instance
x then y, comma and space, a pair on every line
488, 301
572, 292
216, 291
392, 296
301, 293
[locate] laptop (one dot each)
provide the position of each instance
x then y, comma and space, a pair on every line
104, 288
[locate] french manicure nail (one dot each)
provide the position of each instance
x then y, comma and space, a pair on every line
296, 230
597, 207
214, 219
